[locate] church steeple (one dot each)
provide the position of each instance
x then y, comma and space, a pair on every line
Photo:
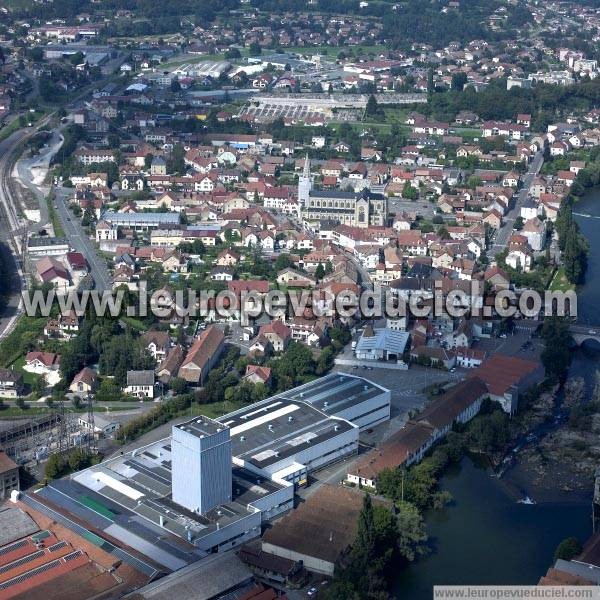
305, 183
306, 170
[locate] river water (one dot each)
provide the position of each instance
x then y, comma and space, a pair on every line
485, 536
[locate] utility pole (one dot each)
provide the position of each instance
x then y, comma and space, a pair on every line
63, 434
90, 422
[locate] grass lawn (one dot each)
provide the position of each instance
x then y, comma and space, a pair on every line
134, 323
56, 224
215, 409
28, 378
11, 349
13, 411
560, 283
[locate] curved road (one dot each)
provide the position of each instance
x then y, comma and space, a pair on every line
10, 231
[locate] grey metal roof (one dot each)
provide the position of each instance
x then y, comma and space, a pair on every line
209, 578
36, 242
15, 524
277, 428
336, 392
201, 426
140, 378
110, 217
388, 340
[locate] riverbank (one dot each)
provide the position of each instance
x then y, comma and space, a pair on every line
485, 537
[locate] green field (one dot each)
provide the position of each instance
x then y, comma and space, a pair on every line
560, 283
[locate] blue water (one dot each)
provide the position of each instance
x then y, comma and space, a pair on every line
486, 538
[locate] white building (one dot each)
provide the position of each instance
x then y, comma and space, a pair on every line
381, 344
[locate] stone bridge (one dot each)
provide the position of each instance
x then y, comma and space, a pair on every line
582, 333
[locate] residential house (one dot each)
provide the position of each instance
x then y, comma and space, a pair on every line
140, 384
202, 356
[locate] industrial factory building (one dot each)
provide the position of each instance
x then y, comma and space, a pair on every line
213, 484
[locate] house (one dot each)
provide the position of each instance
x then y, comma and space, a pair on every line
85, 382
140, 384
227, 258
291, 277
221, 273
410, 444
277, 333
169, 367
507, 377
50, 270
260, 345
202, 356
381, 344
461, 337
157, 343
101, 425
11, 383
105, 232
493, 218
257, 374
68, 324
470, 358
496, 278
42, 363
311, 332
519, 254
435, 356
9, 476
535, 232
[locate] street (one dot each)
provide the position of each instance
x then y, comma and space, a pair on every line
80, 241
506, 229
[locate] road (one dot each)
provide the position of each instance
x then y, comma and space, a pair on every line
11, 230
80, 241
505, 231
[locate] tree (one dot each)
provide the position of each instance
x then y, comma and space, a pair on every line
254, 49
54, 467
176, 162
568, 549
474, 182
175, 86
458, 81
233, 53
178, 385
409, 192
320, 272
412, 533
556, 356
372, 108
283, 261
518, 223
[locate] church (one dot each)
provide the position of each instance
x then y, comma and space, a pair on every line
356, 209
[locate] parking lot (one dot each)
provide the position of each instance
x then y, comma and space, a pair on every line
519, 344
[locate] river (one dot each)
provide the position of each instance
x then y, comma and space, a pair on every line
485, 536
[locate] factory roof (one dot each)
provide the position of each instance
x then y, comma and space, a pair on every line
140, 482
335, 392
15, 524
201, 426
274, 429
138, 217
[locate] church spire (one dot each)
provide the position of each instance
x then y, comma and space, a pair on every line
306, 170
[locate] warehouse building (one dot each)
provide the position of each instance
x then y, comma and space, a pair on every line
140, 221
213, 484
285, 440
349, 397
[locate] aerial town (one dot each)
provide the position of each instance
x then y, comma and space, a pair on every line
298, 300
